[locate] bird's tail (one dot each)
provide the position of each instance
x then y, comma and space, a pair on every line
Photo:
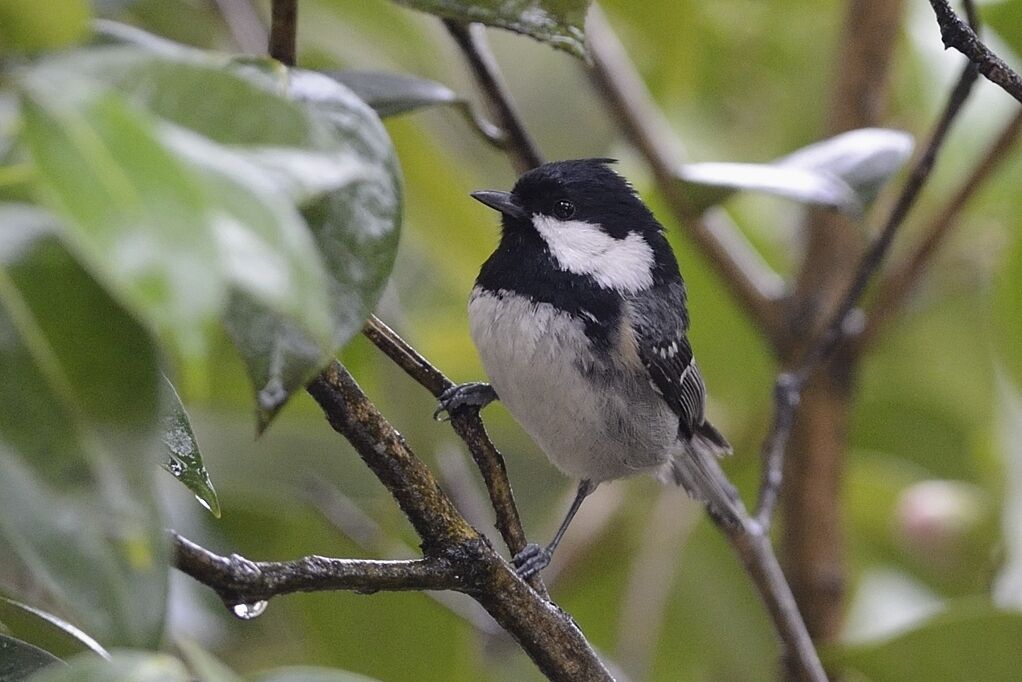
694, 467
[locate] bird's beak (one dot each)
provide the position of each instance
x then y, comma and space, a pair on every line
504, 202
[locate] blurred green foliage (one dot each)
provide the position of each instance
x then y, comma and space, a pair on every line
648, 580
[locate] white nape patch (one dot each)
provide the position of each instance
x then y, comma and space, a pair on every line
584, 249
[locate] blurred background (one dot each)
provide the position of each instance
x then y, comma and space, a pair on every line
932, 497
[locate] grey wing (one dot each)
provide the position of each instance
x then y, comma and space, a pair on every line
660, 325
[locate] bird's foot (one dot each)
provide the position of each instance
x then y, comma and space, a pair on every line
474, 394
531, 560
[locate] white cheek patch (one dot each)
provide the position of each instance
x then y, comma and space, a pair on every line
584, 249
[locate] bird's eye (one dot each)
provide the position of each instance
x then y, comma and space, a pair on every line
564, 209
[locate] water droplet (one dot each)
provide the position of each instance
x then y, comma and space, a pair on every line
249, 611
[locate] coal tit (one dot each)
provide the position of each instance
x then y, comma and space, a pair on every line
580, 320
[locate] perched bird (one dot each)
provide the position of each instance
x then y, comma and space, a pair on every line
580, 320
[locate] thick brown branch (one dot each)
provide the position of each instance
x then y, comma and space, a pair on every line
283, 30
957, 34
894, 291
472, 42
411, 483
751, 282
238, 580
469, 427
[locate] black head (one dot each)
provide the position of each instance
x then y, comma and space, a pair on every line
580, 190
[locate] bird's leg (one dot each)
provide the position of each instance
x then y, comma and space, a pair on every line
533, 558
473, 394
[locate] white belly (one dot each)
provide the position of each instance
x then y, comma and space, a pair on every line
592, 421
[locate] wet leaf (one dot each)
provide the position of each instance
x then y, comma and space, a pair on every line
844, 172
557, 22
19, 660
184, 459
46, 630
78, 442
806, 186
865, 159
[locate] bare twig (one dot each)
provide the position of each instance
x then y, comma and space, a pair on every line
846, 321
899, 284
240, 581
957, 34
243, 22
472, 41
751, 282
283, 30
469, 427
752, 544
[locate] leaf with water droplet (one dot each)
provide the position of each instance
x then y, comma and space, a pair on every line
249, 610
184, 461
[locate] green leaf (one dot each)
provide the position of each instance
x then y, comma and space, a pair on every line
805, 186
78, 442
19, 660
391, 94
46, 630
844, 172
125, 666
557, 22
42, 24
254, 163
968, 642
184, 459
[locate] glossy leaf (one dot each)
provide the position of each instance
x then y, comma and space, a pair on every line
124, 666
46, 630
844, 172
184, 461
259, 161
969, 642
865, 159
42, 24
77, 441
20, 660
391, 94
805, 186
557, 22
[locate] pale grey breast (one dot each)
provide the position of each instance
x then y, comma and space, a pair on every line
592, 420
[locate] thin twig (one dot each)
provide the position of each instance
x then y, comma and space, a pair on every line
283, 30
472, 42
846, 321
957, 34
238, 580
895, 289
469, 427
243, 22
752, 544
750, 280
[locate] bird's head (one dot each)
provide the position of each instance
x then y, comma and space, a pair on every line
587, 217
